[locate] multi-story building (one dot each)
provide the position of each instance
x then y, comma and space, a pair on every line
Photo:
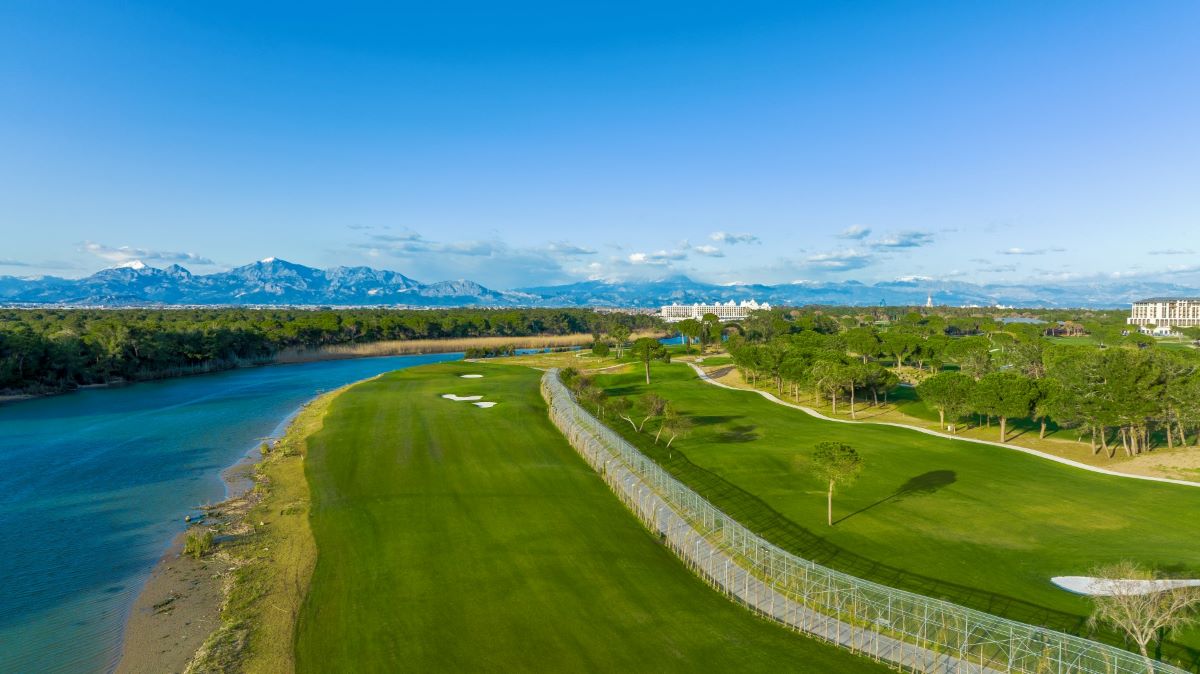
1165, 313
730, 311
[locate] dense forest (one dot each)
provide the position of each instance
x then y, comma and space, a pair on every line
48, 350
1120, 390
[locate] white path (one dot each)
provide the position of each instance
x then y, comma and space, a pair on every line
1058, 459
722, 571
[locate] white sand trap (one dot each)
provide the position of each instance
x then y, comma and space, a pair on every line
1108, 587
451, 396
471, 376
484, 405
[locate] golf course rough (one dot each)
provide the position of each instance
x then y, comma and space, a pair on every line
453, 538
978, 525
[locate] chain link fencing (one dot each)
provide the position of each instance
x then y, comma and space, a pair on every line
906, 630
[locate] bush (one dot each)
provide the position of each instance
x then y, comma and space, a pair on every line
198, 543
600, 349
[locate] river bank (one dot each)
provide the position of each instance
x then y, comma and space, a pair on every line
236, 603
293, 356
100, 482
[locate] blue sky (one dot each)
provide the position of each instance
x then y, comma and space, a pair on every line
521, 144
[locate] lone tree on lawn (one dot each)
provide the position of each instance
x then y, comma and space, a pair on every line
950, 393
647, 349
690, 329
649, 406
1004, 395
619, 333
1144, 617
674, 425
710, 330
835, 463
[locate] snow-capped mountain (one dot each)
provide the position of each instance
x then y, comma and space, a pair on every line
278, 282
267, 282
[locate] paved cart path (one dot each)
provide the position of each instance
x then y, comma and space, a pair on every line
720, 569
810, 411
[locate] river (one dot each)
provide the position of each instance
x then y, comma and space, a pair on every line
94, 485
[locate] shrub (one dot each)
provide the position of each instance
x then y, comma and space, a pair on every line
198, 543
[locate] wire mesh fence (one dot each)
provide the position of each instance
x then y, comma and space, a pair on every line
910, 631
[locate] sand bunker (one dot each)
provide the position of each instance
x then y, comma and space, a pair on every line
451, 396
488, 404
471, 376
1108, 587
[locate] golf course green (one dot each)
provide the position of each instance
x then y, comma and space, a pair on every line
982, 526
452, 537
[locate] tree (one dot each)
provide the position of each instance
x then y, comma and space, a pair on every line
1004, 395
674, 425
1144, 616
878, 379
648, 349
971, 354
949, 392
835, 463
862, 341
900, 344
710, 330
648, 407
690, 329
620, 334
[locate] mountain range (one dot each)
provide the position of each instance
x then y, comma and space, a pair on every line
277, 282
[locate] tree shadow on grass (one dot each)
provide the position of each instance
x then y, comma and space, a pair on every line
739, 434
921, 485
759, 517
711, 419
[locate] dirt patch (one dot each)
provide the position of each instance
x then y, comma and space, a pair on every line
1181, 464
176, 611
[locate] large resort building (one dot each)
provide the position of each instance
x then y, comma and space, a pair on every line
1158, 315
730, 311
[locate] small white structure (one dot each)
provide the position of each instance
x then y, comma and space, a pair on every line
1164, 313
729, 311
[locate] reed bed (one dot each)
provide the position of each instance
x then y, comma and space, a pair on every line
404, 347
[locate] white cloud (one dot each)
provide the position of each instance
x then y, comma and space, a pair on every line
709, 251
855, 232
1030, 251
661, 258
122, 254
733, 239
844, 260
909, 239
1173, 251
568, 249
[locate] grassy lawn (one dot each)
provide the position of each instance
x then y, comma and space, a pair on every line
982, 526
904, 406
454, 538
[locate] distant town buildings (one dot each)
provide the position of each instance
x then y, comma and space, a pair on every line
730, 311
1157, 315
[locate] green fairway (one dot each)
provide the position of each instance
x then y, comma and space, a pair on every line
979, 525
455, 538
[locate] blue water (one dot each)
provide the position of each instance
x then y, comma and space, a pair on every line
94, 486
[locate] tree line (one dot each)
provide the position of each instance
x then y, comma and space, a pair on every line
1130, 396
48, 350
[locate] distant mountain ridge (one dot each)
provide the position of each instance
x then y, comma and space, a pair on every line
278, 282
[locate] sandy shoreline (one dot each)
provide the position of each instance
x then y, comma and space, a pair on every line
180, 604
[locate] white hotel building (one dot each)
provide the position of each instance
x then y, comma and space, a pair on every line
1165, 313
730, 311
